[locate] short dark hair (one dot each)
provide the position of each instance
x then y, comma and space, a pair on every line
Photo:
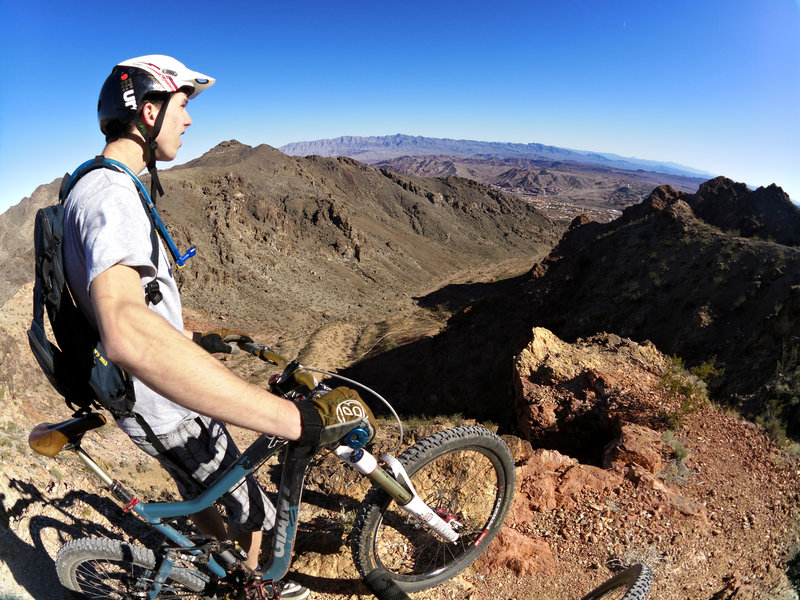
119, 129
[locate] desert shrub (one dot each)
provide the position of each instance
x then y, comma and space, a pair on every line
676, 471
678, 449
780, 411
688, 386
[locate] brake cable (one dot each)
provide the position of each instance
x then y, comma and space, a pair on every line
370, 390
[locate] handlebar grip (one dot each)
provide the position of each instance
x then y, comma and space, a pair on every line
267, 354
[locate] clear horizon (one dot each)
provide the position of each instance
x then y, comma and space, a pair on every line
713, 86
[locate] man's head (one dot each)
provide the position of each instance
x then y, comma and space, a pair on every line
148, 80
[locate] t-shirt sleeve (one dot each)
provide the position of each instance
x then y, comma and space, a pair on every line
115, 229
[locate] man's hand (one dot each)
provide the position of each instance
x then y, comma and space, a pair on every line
220, 340
329, 417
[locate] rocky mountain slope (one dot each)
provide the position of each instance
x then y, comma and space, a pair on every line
356, 268
561, 189
658, 273
285, 244
16, 239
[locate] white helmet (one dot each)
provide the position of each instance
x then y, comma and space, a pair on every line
130, 81
172, 74
122, 93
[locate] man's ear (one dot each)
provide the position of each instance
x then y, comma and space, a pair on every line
148, 114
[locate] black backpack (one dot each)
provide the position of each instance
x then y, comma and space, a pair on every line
76, 364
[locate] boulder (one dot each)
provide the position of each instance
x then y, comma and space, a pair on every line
521, 554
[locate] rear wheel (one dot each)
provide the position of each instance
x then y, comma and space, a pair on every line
631, 584
104, 568
466, 475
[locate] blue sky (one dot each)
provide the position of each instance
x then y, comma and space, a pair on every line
711, 84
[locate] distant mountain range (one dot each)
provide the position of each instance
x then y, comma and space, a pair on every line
374, 149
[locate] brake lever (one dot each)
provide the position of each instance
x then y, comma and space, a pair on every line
289, 368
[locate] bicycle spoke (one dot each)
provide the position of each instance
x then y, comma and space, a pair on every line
118, 580
98, 580
462, 488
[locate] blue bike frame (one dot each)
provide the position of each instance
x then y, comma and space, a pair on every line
289, 498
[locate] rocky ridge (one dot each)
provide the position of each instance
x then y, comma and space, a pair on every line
561, 189
603, 474
706, 284
276, 234
658, 273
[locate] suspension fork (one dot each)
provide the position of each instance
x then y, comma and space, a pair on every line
398, 486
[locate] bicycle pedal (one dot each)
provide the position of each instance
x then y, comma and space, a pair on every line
258, 589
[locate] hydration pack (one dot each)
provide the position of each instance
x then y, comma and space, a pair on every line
76, 363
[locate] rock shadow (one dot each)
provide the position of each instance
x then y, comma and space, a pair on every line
464, 370
32, 566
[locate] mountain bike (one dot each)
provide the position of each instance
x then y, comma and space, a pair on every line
429, 514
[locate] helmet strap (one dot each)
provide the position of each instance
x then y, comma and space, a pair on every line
150, 139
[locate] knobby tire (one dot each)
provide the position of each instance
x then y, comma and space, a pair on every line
465, 474
105, 568
631, 584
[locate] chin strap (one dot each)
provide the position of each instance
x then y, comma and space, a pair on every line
155, 184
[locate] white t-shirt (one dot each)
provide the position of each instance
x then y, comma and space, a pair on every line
105, 224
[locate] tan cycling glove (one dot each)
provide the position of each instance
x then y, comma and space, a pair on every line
329, 417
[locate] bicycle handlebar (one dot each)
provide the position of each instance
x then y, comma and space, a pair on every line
303, 376
267, 354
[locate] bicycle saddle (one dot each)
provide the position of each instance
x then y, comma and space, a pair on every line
48, 439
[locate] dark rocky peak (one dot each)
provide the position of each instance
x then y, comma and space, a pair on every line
661, 198
765, 213
696, 287
224, 154
762, 214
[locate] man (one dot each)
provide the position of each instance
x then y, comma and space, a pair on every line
182, 392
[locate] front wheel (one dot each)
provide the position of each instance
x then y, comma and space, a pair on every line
104, 568
631, 584
466, 475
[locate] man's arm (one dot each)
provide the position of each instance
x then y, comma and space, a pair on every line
144, 344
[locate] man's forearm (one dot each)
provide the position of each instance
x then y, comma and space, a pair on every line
144, 344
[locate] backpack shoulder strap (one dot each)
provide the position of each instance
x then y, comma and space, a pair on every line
152, 293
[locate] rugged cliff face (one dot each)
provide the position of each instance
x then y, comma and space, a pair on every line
628, 461
358, 267
702, 276
659, 273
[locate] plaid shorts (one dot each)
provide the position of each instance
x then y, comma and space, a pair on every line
197, 452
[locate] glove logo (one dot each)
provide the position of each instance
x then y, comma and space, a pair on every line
350, 410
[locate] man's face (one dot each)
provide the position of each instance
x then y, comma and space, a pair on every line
175, 123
